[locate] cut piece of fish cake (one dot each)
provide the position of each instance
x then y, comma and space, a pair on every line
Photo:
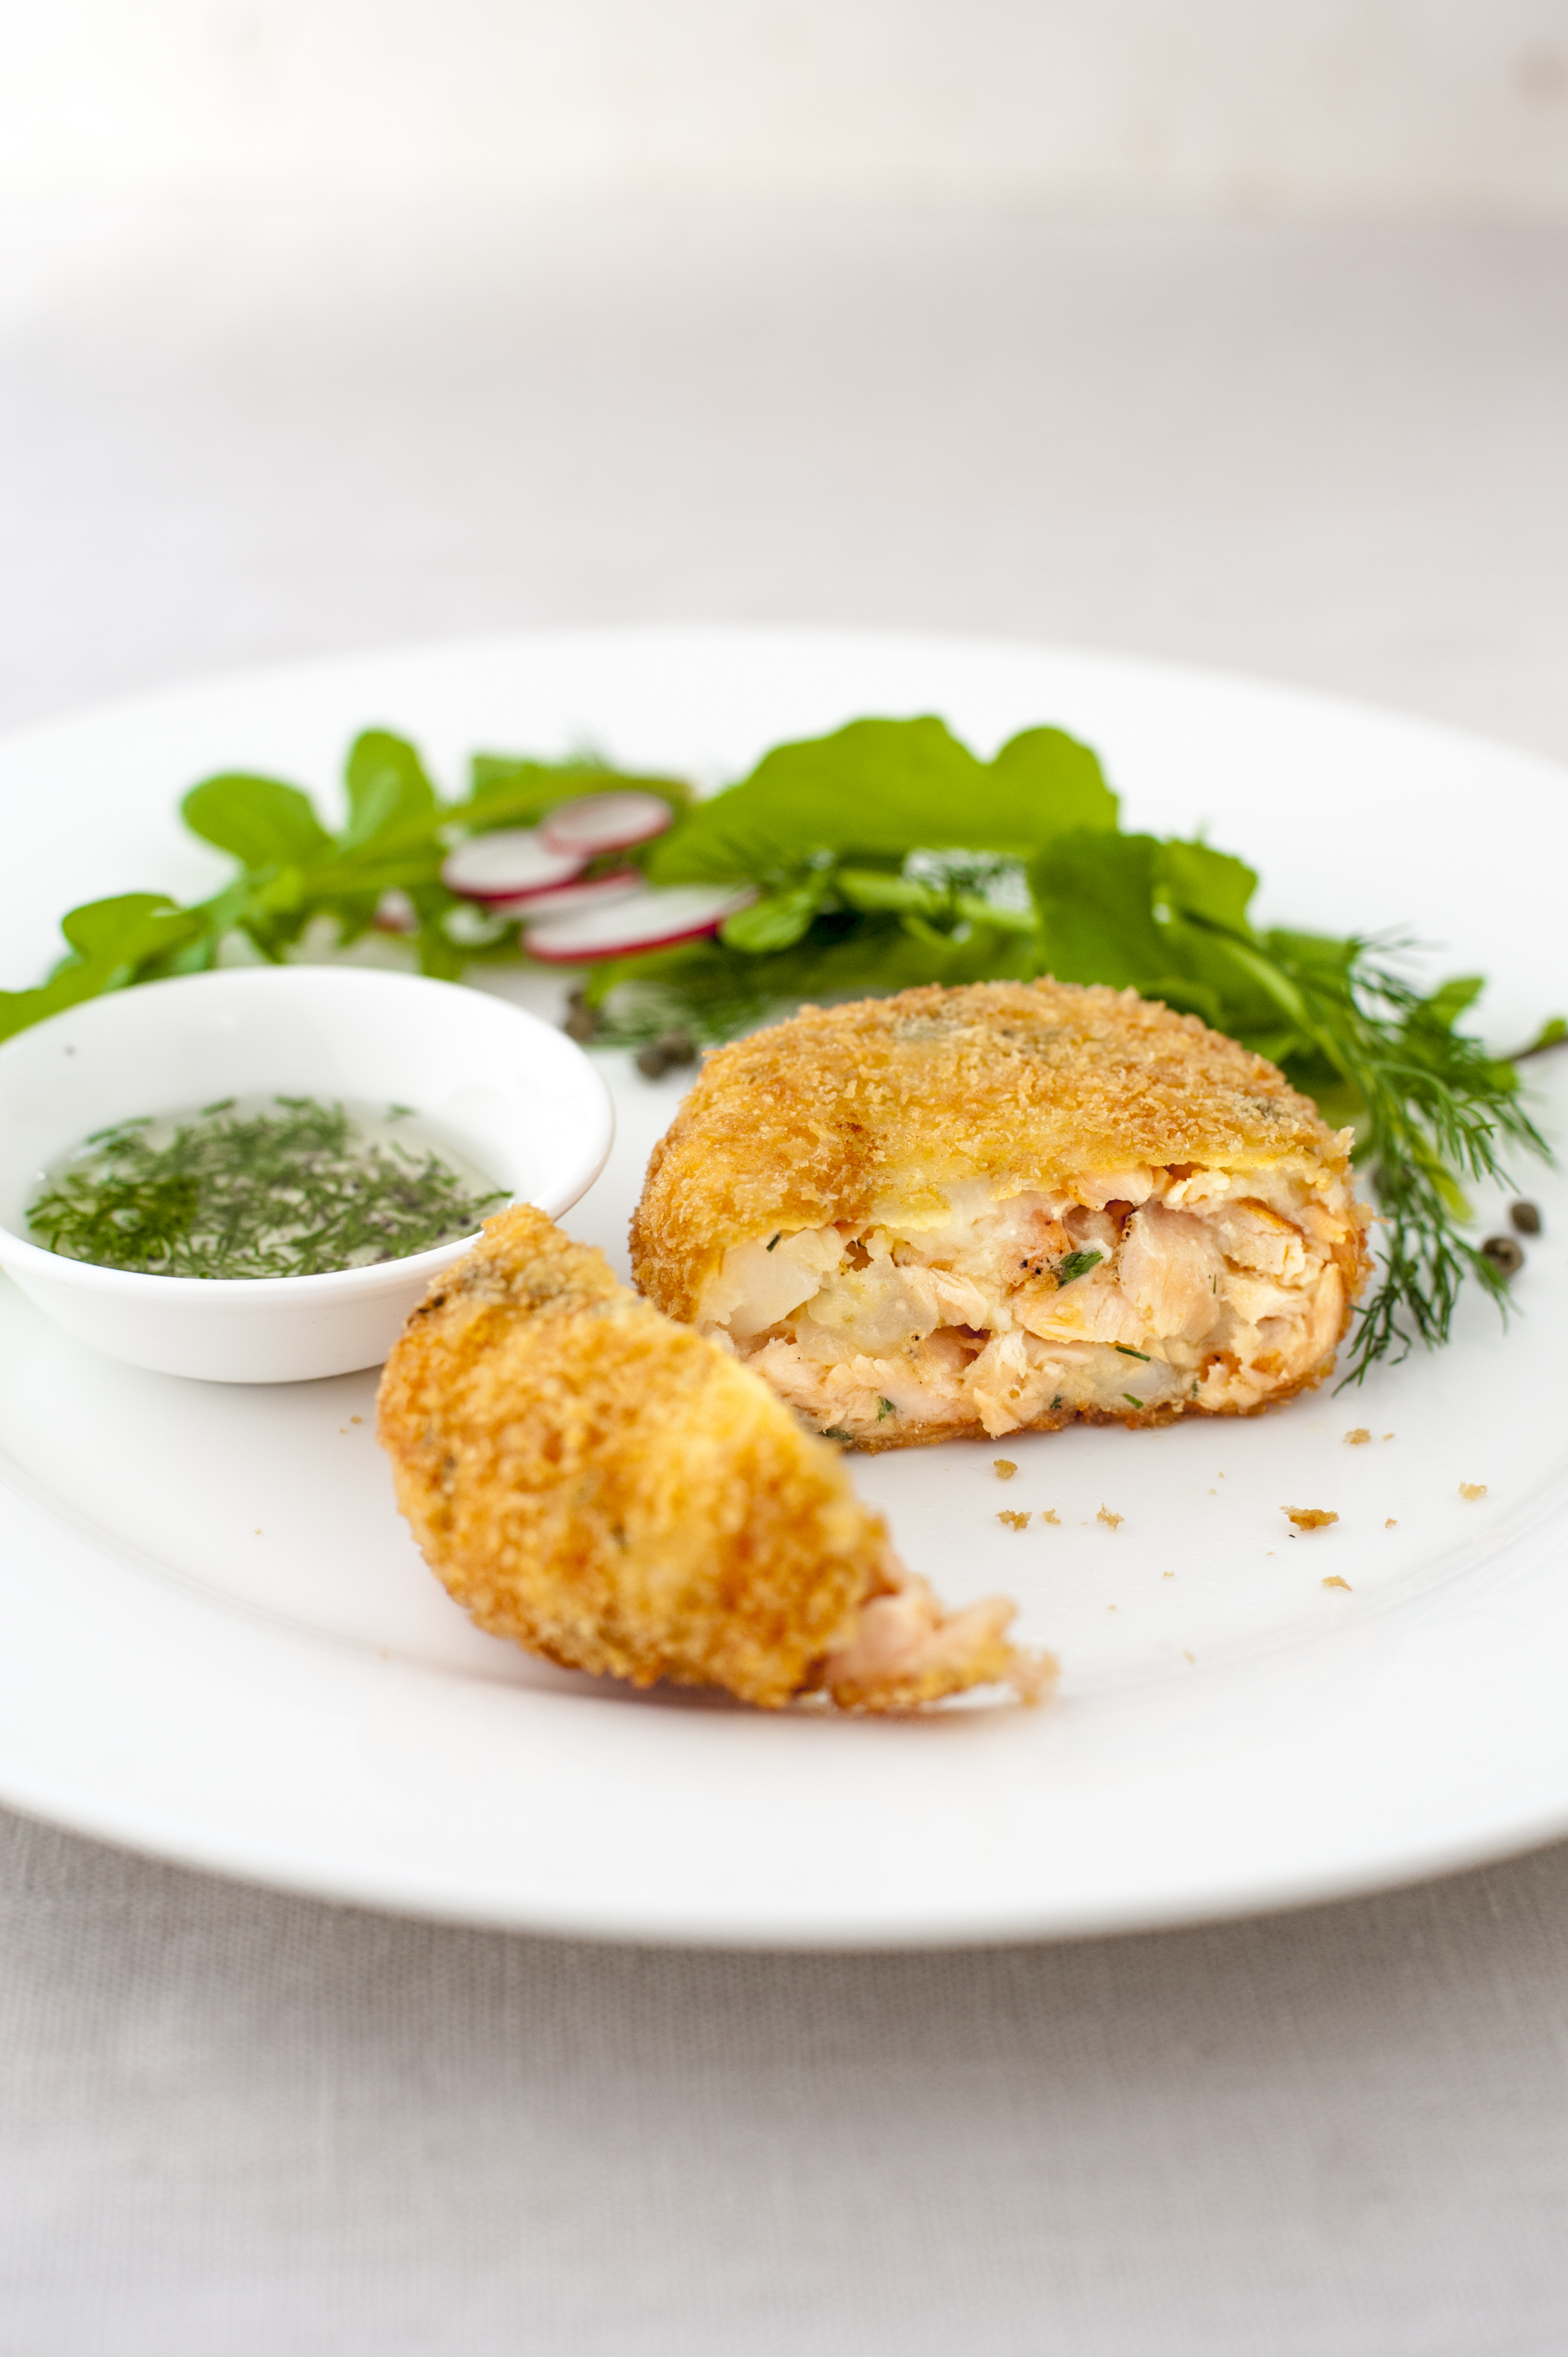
1000, 1206
619, 1494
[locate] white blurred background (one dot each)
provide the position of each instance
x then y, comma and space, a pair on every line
1234, 329
1401, 107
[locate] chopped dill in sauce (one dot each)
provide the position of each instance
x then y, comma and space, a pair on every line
259, 1186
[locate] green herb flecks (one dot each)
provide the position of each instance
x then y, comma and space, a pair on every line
884, 1408
292, 1192
1128, 1352
1076, 1265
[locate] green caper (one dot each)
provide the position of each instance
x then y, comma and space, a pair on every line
652, 1062
677, 1047
1506, 1256
1526, 1218
582, 1025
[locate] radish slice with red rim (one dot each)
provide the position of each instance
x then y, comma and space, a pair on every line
595, 824
565, 899
512, 863
395, 913
653, 920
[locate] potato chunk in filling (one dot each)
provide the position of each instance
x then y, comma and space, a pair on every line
1131, 1294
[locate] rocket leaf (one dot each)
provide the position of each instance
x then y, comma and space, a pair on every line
886, 787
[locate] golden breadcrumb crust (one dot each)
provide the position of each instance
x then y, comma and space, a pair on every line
621, 1495
868, 1113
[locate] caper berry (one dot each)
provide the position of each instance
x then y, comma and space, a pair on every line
1526, 1218
1506, 1256
581, 1025
677, 1047
652, 1062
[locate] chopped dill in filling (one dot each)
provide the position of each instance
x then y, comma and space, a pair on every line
283, 1187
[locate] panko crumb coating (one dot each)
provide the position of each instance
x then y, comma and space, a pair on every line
619, 1494
1003, 1206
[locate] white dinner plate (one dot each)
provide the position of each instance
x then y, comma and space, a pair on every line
217, 1642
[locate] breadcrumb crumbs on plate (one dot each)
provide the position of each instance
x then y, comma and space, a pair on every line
1167, 1574
1014, 1521
1188, 1657
1472, 1489
1005, 1468
1390, 1524
1387, 1436
1308, 1518
1334, 1580
1358, 1438
1050, 1514
355, 1420
1112, 1521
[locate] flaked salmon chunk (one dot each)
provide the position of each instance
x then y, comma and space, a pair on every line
613, 1492
1000, 1206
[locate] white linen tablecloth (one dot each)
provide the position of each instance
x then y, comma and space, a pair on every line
239, 2123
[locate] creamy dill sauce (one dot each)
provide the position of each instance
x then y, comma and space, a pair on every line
260, 1186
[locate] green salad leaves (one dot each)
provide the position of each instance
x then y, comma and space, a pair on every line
884, 854
295, 875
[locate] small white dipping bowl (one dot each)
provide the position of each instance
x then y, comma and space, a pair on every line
512, 1092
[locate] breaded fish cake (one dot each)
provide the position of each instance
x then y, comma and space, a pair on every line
1000, 1206
619, 1494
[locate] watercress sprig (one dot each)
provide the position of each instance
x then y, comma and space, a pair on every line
293, 872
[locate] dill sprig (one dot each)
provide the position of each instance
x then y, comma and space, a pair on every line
295, 1192
1432, 1110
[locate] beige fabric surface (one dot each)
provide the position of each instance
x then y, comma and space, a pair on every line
236, 2122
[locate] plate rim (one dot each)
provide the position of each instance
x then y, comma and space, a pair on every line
51, 1802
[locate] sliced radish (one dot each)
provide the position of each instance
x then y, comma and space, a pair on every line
595, 824
652, 920
512, 863
395, 913
565, 899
